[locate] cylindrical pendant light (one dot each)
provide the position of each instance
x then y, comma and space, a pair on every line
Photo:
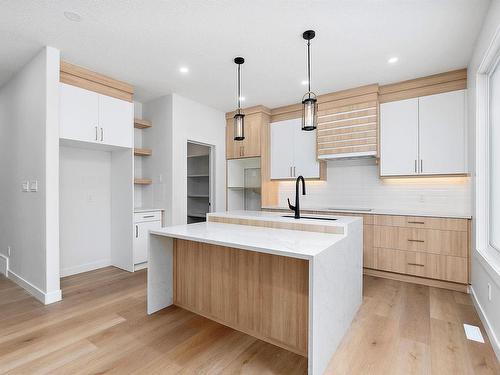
239, 118
309, 101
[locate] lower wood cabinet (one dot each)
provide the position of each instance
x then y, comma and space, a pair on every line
432, 250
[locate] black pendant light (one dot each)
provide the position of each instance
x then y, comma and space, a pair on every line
239, 118
309, 101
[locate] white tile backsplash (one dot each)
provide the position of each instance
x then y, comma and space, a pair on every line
355, 183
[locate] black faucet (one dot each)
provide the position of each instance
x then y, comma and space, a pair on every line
296, 208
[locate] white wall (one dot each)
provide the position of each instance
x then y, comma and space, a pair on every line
85, 209
175, 121
356, 184
482, 272
196, 122
29, 149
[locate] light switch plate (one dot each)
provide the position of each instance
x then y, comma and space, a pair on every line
25, 186
34, 185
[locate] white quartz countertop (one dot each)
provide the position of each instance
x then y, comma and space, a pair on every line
377, 211
285, 242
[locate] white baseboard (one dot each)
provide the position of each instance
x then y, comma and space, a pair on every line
486, 323
85, 267
140, 266
43, 297
4, 264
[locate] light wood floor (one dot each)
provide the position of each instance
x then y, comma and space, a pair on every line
101, 328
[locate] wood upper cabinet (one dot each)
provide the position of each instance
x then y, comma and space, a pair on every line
293, 151
250, 146
423, 136
87, 116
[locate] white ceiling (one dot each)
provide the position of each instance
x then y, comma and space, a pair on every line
145, 42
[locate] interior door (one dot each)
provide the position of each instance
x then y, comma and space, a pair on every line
442, 133
78, 114
305, 160
399, 138
282, 145
116, 120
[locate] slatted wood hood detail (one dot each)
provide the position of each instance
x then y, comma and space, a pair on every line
348, 123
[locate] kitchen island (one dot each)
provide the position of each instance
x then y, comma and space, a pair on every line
294, 283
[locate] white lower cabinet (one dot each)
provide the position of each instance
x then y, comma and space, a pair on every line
143, 223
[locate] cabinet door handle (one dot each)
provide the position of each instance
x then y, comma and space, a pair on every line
102, 134
416, 240
96, 136
294, 171
145, 217
416, 222
421, 166
136, 231
291, 171
242, 150
415, 165
416, 264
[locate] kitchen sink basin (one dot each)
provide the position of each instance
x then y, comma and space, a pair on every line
312, 217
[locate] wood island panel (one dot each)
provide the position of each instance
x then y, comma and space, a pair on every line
260, 294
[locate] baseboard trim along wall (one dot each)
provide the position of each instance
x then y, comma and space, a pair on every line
486, 323
4, 264
45, 298
85, 267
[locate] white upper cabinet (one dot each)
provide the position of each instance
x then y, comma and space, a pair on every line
87, 116
399, 138
116, 119
423, 136
78, 114
442, 133
293, 151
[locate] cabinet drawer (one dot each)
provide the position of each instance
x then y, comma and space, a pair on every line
421, 222
445, 242
433, 266
140, 217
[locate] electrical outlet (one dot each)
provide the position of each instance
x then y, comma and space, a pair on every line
25, 186
421, 198
489, 292
9, 250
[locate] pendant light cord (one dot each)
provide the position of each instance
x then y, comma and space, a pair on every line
309, 67
239, 88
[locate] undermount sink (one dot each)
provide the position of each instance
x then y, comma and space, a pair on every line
311, 217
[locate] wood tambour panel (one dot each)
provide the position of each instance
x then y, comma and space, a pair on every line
444, 242
352, 122
432, 266
435, 84
278, 225
81, 77
422, 222
260, 294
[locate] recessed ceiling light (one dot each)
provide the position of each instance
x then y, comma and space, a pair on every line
184, 69
304, 82
72, 16
393, 60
